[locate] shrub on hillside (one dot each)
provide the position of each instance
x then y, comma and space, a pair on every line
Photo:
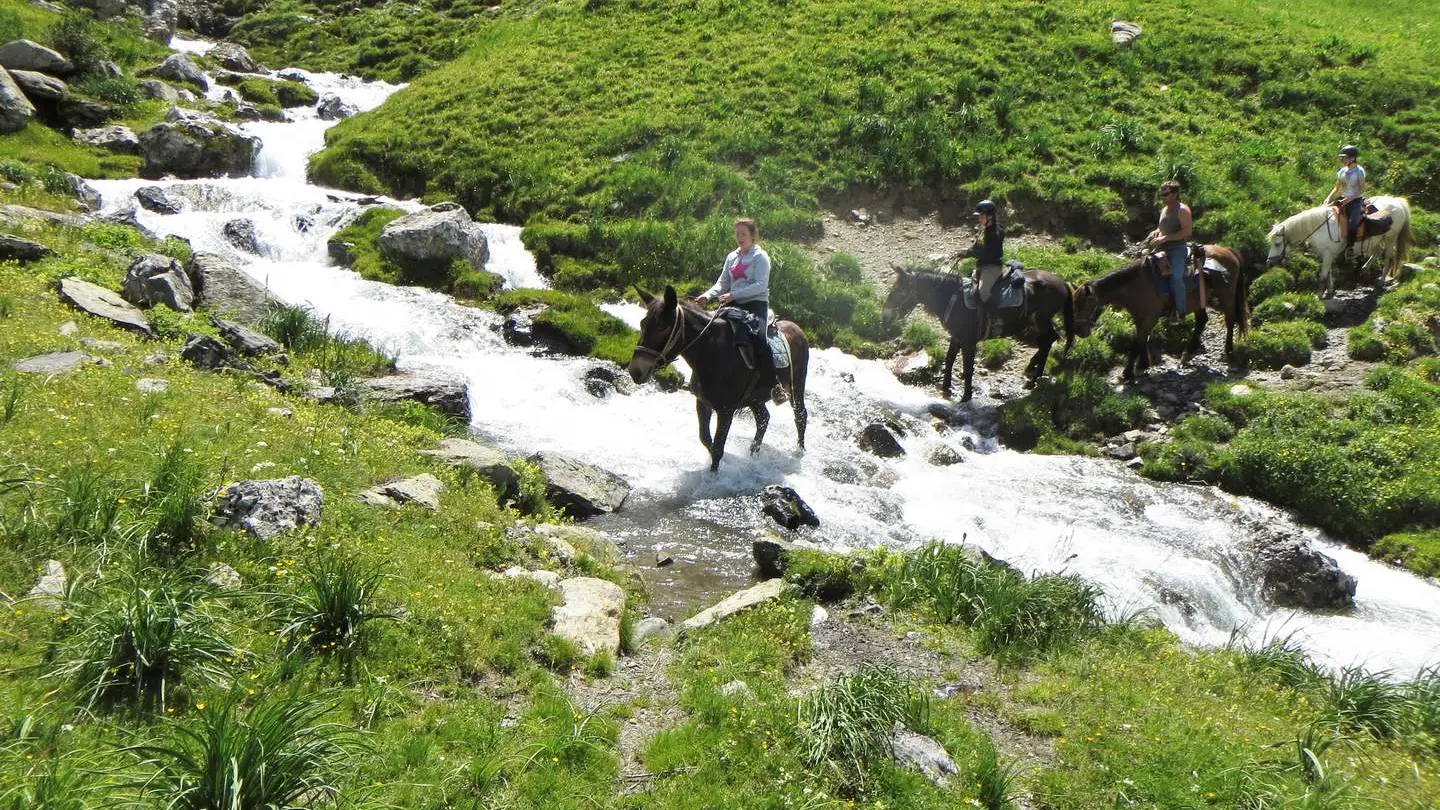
1077, 406
1275, 345
78, 37
1288, 307
1269, 284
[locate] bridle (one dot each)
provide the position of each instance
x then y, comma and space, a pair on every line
677, 333
1285, 239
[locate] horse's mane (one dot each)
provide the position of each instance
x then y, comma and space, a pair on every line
934, 278
1117, 278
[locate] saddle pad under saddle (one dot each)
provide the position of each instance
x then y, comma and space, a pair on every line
1215, 273
779, 346
1009, 292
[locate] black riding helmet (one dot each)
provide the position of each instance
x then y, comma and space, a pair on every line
1352, 152
985, 207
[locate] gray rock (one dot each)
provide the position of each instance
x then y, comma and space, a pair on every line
155, 279
340, 252
448, 396
49, 591
736, 689
203, 351
15, 109
423, 489
231, 56
13, 248
39, 87
748, 598
424, 244
652, 627
75, 112
157, 199
223, 287
491, 465
265, 509
877, 439
55, 363
178, 67
103, 303
1121, 452
920, 753
580, 490
333, 108
241, 233
770, 555
154, 88
1288, 372
568, 542
194, 148
785, 506
223, 577
245, 340
103, 345
151, 385
589, 618
119, 139
943, 455
14, 215
22, 54
69, 329
109, 69
83, 192
549, 579
818, 615
130, 218
1293, 573
1123, 33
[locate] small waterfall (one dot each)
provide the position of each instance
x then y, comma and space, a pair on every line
1169, 549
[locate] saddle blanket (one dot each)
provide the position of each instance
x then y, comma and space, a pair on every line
779, 347
1009, 292
1215, 273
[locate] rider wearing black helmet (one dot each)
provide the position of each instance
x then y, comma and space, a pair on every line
987, 251
1349, 192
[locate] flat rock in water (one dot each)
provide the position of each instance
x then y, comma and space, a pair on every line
56, 363
103, 303
157, 199
748, 598
13, 248
268, 508
920, 753
448, 396
785, 506
580, 490
589, 618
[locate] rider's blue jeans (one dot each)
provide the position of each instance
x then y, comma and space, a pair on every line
1177, 254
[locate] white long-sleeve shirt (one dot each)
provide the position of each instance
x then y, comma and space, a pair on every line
746, 278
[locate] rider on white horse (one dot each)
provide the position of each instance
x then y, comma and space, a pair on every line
1349, 193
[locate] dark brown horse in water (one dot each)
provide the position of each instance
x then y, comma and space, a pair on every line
1046, 295
1135, 289
721, 381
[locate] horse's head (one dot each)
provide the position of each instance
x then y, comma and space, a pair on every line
1278, 243
1087, 309
904, 296
660, 332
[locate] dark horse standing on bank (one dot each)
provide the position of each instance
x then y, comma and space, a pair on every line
1046, 295
721, 381
1136, 289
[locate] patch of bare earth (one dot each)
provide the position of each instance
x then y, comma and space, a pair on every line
640, 683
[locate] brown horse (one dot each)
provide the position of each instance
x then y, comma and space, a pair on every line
1046, 295
1135, 289
721, 381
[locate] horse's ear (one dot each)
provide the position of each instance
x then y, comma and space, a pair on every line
644, 296
897, 270
670, 298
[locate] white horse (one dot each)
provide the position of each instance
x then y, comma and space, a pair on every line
1317, 228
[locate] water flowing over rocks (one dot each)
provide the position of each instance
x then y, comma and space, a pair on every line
269, 508
878, 439
119, 139
1295, 574
943, 455
424, 244
49, 591
22, 54
56, 363
223, 287
155, 279
423, 489
102, 303
15, 109
489, 463
785, 506
13, 248
447, 395
580, 490
923, 754
194, 147
589, 618
241, 233
748, 598
154, 198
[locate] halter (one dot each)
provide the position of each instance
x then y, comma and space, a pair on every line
676, 334
1284, 232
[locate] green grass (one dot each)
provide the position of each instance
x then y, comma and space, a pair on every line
1279, 343
1416, 551
1398, 330
1071, 408
283, 93
337, 598
847, 723
584, 326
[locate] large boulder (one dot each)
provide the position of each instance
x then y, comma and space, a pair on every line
232, 56
74, 112
55, 363
22, 54
157, 199
245, 340
487, 462
119, 139
424, 244
15, 109
580, 490
178, 67
156, 89
103, 303
265, 509
13, 248
223, 287
333, 108
155, 279
590, 615
1293, 573
39, 87
240, 232
194, 147
734, 603
447, 395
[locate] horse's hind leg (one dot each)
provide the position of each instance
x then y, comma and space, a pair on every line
802, 416
1193, 347
945, 388
702, 413
762, 422
722, 432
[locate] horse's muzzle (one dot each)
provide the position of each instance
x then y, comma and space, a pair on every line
1271, 261
641, 370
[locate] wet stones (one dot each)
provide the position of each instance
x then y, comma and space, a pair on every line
157, 199
1293, 573
333, 108
877, 438
241, 233
785, 506
580, 490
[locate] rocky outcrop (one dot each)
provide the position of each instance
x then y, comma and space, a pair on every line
241, 233
265, 509
195, 146
232, 56
103, 303
178, 67
55, 363
424, 244
490, 464
15, 109
1293, 573
785, 506
877, 438
589, 617
923, 754
204, 17
748, 598
83, 192
155, 279
74, 112
223, 287
15, 249
14, 215
119, 139
580, 490
334, 108
448, 396
205, 352
39, 87
245, 340
156, 89
22, 54
423, 489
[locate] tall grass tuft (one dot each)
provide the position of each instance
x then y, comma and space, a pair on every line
81, 506
1367, 701
137, 643
12, 397
995, 778
339, 598
174, 503
1280, 657
277, 753
847, 723
295, 328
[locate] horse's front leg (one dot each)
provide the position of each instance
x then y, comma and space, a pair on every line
1327, 283
968, 350
723, 418
945, 388
1194, 348
1036, 366
762, 421
702, 413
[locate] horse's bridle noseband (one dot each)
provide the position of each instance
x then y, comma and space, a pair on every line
676, 334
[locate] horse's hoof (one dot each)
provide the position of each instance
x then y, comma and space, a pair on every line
965, 398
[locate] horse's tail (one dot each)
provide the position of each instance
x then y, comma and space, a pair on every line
1069, 315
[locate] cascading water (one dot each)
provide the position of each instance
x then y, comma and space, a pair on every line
1171, 549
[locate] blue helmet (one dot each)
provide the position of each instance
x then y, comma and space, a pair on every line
985, 207
1352, 152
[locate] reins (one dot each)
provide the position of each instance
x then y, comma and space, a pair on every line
677, 333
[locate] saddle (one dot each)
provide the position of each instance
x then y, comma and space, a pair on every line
741, 319
1159, 263
1374, 222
